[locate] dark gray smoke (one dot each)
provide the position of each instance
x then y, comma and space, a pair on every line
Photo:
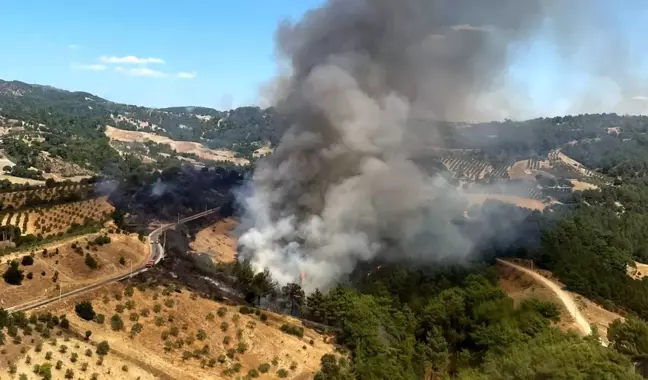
341, 187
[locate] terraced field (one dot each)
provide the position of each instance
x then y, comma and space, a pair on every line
48, 221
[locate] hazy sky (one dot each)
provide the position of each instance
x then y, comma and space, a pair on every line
217, 53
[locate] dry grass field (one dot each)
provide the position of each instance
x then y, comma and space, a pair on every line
179, 146
217, 240
183, 336
65, 266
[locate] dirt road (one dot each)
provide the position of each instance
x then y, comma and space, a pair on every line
569, 303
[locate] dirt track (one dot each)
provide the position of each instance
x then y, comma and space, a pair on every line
564, 297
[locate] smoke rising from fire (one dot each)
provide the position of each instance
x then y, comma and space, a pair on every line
341, 187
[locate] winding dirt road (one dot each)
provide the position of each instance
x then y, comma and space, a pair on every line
564, 297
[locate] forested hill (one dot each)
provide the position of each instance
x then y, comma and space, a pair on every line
242, 129
71, 125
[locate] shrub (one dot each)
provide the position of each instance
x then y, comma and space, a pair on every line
87, 334
201, 334
224, 326
134, 317
99, 318
30, 275
116, 322
69, 373
88, 353
103, 348
292, 330
13, 275
90, 261
74, 357
63, 349
169, 303
27, 260
48, 355
241, 348
246, 310
237, 367
122, 261
85, 310
59, 364
231, 353
145, 312
226, 340
136, 329
282, 373
253, 373
129, 291
157, 308
221, 311
164, 335
209, 317
119, 308
264, 368
264, 317
130, 304
174, 331
84, 367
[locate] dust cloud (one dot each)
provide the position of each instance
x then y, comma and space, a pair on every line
342, 186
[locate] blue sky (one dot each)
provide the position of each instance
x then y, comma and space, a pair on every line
215, 53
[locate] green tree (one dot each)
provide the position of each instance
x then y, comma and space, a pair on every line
85, 310
295, 296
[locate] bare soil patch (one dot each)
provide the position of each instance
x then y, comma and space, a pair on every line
533, 204
580, 185
179, 146
217, 240
639, 271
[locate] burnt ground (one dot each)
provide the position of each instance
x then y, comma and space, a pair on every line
197, 272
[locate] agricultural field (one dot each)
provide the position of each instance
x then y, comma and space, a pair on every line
44, 346
43, 195
49, 221
563, 166
70, 265
471, 169
171, 330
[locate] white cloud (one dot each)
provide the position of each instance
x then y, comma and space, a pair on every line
640, 98
73, 46
94, 67
130, 59
186, 75
141, 72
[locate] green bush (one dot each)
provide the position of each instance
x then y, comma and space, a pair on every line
292, 330
282, 373
264, 368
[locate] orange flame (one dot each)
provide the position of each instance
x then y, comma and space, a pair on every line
302, 276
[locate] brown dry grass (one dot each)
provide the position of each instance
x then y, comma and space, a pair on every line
639, 271
26, 354
179, 146
580, 185
217, 240
188, 314
73, 272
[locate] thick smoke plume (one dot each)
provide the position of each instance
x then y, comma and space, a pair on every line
342, 186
